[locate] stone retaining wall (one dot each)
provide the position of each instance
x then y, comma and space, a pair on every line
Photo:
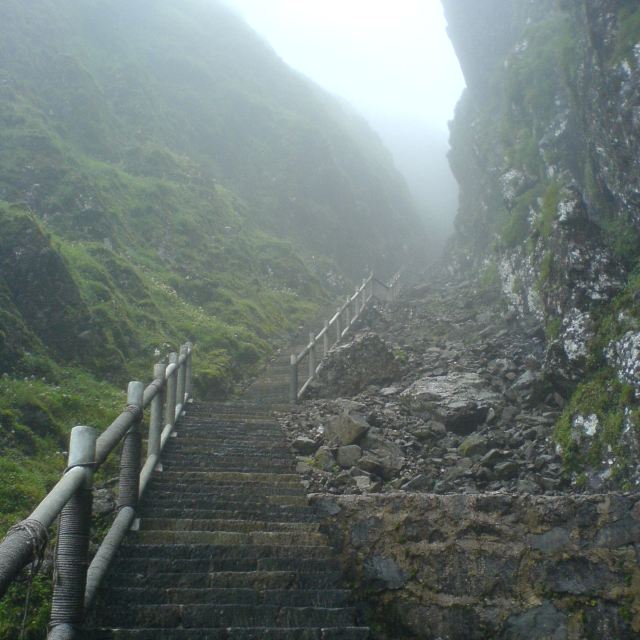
491, 566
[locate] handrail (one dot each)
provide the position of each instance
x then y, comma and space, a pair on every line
343, 320
76, 585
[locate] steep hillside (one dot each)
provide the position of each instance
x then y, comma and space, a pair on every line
165, 156
164, 177
545, 147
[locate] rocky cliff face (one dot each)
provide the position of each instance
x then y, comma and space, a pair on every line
545, 146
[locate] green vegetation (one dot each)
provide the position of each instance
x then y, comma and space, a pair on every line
628, 31
602, 394
609, 400
535, 73
164, 177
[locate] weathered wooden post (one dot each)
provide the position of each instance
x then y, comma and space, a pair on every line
172, 381
339, 325
71, 563
347, 312
363, 294
155, 420
312, 356
325, 339
182, 376
293, 380
189, 372
129, 485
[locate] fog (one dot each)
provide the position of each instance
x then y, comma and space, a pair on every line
393, 61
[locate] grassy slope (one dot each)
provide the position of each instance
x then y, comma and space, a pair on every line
163, 177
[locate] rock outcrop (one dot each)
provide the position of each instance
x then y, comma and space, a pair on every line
545, 147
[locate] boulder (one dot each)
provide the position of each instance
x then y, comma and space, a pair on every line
474, 445
349, 455
304, 446
345, 429
461, 401
351, 368
324, 459
385, 454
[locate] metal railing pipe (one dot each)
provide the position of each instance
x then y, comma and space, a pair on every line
188, 388
156, 417
325, 339
105, 554
171, 375
182, 372
312, 356
293, 379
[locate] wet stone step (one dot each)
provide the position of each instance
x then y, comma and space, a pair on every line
220, 460
228, 537
219, 500
217, 551
227, 476
151, 565
123, 596
181, 524
279, 513
227, 580
211, 616
218, 443
300, 633
158, 487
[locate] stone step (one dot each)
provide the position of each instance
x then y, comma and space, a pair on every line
210, 488
231, 633
124, 596
227, 580
221, 500
231, 538
215, 441
182, 524
205, 551
223, 462
235, 512
221, 477
154, 565
198, 616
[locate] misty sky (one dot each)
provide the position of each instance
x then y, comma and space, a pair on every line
392, 60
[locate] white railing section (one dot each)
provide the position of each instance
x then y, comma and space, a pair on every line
336, 329
76, 582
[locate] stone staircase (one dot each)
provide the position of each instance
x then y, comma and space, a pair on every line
228, 547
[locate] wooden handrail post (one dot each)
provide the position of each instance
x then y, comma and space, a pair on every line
129, 484
312, 356
182, 376
71, 563
339, 326
172, 381
293, 380
348, 314
155, 421
325, 339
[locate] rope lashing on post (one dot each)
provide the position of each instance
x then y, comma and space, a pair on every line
37, 537
69, 573
136, 411
129, 468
